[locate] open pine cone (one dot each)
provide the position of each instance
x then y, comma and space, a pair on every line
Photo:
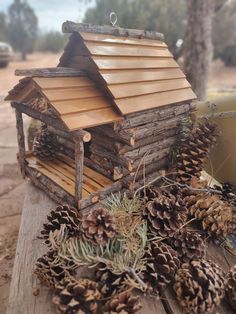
188, 244
98, 226
62, 215
161, 265
124, 303
216, 216
76, 296
45, 145
199, 286
49, 272
195, 150
231, 287
165, 214
110, 283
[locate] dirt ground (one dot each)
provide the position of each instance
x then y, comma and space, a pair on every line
12, 187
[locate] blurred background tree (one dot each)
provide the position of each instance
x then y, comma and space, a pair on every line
160, 15
225, 23
3, 27
52, 41
22, 27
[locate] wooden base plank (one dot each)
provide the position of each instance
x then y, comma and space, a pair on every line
37, 206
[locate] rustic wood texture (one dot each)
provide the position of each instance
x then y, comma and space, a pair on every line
21, 141
79, 168
76, 100
37, 206
70, 27
62, 171
49, 72
85, 135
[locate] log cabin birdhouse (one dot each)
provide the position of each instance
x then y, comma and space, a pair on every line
109, 113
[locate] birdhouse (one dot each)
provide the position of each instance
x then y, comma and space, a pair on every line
109, 113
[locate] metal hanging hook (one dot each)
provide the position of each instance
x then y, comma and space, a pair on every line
113, 18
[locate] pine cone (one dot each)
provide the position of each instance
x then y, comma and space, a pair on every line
216, 216
195, 150
188, 244
165, 214
45, 145
63, 214
124, 303
149, 194
231, 287
161, 265
110, 283
227, 192
76, 296
98, 226
49, 272
199, 286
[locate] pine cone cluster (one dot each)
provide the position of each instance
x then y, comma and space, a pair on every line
165, 214
231, 287
45, 145
161, 265
124, 303
188, 244
195, 150
76, 296
49, 272
216, 216
98, 226
62, 214
199, 286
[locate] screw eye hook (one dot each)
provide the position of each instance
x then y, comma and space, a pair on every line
113, 18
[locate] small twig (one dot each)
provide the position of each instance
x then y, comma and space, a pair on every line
182, 185
139, 280
152, 181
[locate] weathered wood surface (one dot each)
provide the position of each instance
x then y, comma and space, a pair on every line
49, 72
70, 27
37, 206
85, 135
79, 169
55, 122
21, 141
152, 115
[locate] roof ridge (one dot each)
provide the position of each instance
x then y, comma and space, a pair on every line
70, 27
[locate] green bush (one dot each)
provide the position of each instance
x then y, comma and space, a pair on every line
52, 41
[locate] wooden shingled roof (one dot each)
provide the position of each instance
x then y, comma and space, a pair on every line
135, 68
76, 100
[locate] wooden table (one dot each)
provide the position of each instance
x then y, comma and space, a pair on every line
24, 284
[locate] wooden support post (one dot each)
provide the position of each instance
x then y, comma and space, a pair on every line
21, 141
79, 169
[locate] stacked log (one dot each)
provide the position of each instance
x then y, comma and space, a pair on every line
140, 143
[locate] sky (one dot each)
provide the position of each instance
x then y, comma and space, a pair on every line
52, 13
